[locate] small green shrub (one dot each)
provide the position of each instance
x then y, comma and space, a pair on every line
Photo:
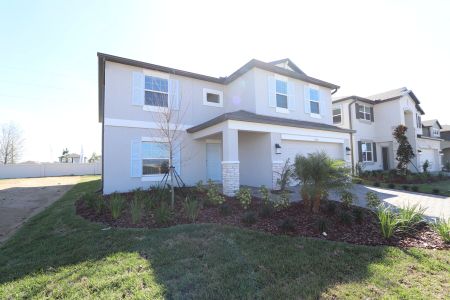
287, 224
373, 201
249, 218
376, 184
213, 196
331, 207
200, 187
358, 215
425, 166
116, 205
345, 218
442, 227
282, 201
415, 188
266, 210
244, 197
90, 199
137, 206
436, 191
322, 225
409, 216
162, 213
405, 187
388, 221
391, 185
265, 195
225, 209
191, 208
347, 198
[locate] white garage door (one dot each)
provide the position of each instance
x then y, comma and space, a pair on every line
291, 148
430, 155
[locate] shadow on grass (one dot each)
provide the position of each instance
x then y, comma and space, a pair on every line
60, 250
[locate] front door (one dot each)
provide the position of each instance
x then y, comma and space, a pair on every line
214, 162
385, 155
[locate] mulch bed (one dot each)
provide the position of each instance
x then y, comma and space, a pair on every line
366, 232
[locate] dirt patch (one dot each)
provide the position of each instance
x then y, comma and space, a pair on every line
347, 224
22, 198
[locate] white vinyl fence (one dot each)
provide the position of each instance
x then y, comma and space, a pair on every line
49, 169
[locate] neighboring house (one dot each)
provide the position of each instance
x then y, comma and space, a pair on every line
374, 119
430, 149
445, 145
71, 158
236, 130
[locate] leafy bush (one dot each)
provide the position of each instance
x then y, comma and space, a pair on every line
162, 213
373, 201
376, 184
200, 187
322, 225
391, 185
116, 205
409, 216
357, 181
358, 215
191, 208
442, 227
249, 218
244, 197
425, 166
282, 201
415, 188
287, 224
345, 218
331, 207
265, 195
436, 191
405, 187
347, 198
213, 195
266, 210
137, 205
388, 221
285, 175
225, 209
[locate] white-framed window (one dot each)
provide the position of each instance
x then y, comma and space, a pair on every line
314, 101
337, 115
367, 151
364, 112
435, 131
281, 94
156, 91
155, 158
212, 97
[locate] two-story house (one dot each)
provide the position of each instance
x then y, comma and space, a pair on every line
236, 130
374, 119
445, 146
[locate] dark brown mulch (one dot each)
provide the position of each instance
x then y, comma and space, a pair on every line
367, 232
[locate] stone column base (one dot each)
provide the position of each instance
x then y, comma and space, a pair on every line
230, 177
277, 167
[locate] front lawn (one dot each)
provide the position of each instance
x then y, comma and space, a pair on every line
58, 254
429, 188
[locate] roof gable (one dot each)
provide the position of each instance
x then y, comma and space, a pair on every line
286, 63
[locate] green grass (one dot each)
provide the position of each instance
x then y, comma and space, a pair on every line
60, 255
427, 188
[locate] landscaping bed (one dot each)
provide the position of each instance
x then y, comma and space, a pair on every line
334, 221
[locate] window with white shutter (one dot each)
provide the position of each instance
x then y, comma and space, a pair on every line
156, 91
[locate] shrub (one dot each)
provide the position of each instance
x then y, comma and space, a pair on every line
357, 181
405, 187
331, 207
266, 210
447, 166
249, 218
322, 225
285, 175
90, 199
200, 187
162, 213
409, 216
425, 166
373, 201
265, 194
191, 208
358, 215
376, 184
116, 204
136, 208
225, 209
244, 197
388, 222
345, 218
436, 191
442, 227
213, 196
282, 201
415, 188
287, 224
347, 198
391, 185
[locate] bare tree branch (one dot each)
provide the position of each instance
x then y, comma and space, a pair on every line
11, 144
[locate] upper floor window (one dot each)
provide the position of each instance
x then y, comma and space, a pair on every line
435, 132
281, 94
314, 101
212, 97
364, 112
337, 115
156, 91
155, 158
418, 121
367, 151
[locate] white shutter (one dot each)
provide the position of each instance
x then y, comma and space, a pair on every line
177, 159
306, 99
321, 102
136, 159
174, 95
292, 101
271, 90
138, 89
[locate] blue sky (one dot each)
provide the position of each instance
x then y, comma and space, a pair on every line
48, 66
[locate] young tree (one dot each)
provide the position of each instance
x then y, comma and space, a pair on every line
404, 151
11, 143
94, 157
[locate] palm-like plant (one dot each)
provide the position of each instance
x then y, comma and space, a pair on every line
318, 174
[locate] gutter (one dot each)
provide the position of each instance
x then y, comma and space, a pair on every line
351, 135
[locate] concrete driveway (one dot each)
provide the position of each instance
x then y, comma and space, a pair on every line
22, 198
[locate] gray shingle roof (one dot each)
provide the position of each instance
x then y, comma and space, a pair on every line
389, 94
246, 116
429, 123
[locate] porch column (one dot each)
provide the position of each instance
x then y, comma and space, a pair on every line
230, 163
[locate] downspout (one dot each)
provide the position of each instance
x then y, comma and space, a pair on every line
351, 135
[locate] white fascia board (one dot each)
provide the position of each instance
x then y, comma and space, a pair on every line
139, 124
309, 138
